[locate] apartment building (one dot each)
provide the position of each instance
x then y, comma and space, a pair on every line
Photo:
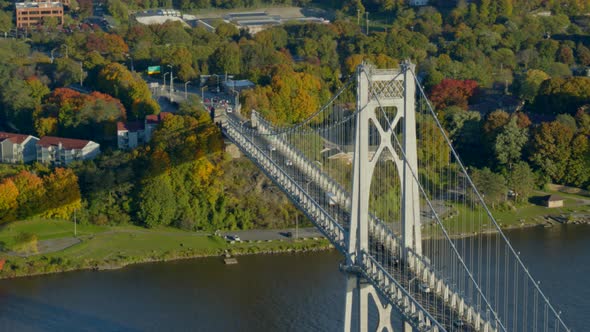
17, 148
61, 151
30, 14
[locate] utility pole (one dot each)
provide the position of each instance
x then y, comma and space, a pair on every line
52, 57
185, 89
75, 225
171, 83
81, 74
358, 16
296, 226
367, 14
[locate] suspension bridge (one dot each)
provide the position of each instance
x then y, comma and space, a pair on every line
376, 173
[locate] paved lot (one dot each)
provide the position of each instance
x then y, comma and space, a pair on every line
274, 234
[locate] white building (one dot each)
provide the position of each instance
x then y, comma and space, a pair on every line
132, 134
17, 148
61, 151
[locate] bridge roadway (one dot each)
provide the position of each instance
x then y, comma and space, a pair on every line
398, 282
418, 264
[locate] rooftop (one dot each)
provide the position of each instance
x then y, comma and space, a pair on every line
554, 198
130, 126
25, 5
66, 143
14, 138
156, 118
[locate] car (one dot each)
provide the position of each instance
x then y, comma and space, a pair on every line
424, 287
229, 110
288, 162
235, 238
288, 234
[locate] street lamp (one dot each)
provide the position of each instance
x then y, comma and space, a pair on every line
131, 59
185, 89
81, 73
62, 45
52, 57
171, 82
203, 94
164, 80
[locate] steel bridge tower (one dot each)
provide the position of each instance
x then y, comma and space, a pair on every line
376, 90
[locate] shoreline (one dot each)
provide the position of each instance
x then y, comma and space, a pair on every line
36, 269
44, 264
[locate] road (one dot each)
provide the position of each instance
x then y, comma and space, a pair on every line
275, 234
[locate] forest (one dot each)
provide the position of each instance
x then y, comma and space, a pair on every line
469, 56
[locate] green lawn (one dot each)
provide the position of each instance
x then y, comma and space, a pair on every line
467, 221
109, 247
46, 229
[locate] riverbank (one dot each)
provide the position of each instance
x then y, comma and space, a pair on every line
102, 248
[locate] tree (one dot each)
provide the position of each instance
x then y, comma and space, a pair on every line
451, 92
5, 21
31, 194
455, 117
62, 193
118, 10
577, 168
521, 180
551, 149
529, 87
158, 201
134, 93
226, 59
583, 54
491, 185
434, 149
509, 143
8, 200
494, 121
565, 55
563, 95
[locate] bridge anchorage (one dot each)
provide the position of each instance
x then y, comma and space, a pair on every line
374, 170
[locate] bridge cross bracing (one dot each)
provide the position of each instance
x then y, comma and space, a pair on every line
374, 170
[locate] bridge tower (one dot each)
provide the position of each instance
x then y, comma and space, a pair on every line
378, 89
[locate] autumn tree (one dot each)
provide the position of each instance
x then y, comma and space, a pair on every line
31, 194
62, 193
8, 200
451, 92
562, 95
529, 86
551, 149
135, 95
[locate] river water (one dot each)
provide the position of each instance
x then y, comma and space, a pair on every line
303, 292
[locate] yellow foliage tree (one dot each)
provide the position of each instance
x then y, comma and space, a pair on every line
8, 201
62, 194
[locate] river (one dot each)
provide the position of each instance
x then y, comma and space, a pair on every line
303, 292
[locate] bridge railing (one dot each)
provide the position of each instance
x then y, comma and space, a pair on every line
323, 220
419, 265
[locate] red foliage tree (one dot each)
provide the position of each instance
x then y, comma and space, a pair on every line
110, 99
451, 92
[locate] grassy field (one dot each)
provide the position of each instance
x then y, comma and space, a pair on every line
467, 221
103, 247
